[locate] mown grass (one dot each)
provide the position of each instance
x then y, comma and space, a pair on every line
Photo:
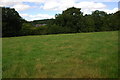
80, 55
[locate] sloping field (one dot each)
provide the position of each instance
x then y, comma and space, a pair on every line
80, 55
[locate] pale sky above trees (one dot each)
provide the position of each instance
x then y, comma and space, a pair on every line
44, 9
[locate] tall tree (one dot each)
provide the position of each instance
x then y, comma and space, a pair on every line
71, 18
116, 23
99, 19
11, 22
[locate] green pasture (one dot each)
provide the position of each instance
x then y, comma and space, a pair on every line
79, 55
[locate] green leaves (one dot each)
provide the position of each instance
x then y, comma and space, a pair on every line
12, 22
70, 18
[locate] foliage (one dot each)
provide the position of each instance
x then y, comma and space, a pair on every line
89, 24
44, 21
97, 21
41, 30
11, 22
27, 29
71, 20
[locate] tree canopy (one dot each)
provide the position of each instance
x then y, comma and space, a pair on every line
11, 22
71, 20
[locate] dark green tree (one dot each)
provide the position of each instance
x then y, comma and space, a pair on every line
99, 20
71, 18
89, 24
115, 21
11, 22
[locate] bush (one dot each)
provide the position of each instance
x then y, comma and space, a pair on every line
41, 30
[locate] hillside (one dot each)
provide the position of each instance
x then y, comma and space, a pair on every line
79, 55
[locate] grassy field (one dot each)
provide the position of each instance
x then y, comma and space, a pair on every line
80, 55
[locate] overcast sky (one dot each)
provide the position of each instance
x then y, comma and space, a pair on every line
46, 9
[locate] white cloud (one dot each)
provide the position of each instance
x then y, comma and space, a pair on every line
106, 0
90, 5
22, 1
65, 3
6, 4
21, 7
58, 4
86, 6
110, 11
18, 4
59, 0
37, 17
24, 15
100, 0
40, 1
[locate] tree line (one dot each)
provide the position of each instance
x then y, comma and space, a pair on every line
71, 20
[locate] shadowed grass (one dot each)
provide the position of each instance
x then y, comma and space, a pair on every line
80, 55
